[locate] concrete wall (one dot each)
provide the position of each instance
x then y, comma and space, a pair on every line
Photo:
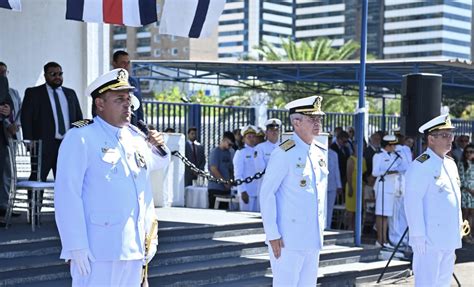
40, 33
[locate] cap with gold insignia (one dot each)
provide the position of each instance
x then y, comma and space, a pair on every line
273, 124
115, 80
397, 132
442, 122
260, 132
248, 130
390, 139
310, 106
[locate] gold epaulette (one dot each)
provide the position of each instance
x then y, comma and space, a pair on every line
287, 145
320, 145
422, 158
82, 123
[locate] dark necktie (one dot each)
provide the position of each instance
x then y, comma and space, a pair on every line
194, 153
59, 114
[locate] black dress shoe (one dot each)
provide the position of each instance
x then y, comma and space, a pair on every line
3, 224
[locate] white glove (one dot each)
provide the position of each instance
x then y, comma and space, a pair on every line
81, 258
418, 244
151, 253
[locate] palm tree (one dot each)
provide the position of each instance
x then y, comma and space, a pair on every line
317, 50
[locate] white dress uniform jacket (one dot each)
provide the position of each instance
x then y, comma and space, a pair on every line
103, 198
382, 162
245, 166
293, 194
433, 201
264, 151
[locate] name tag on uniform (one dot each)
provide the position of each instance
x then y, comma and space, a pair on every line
110, 155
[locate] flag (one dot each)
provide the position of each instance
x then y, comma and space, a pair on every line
190, 18
14, 5
121, 12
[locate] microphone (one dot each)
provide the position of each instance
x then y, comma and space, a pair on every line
142, 126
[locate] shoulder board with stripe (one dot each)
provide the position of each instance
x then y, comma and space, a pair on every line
82, 123
422, 158
136, 129
287, 145
448, 157
320, 145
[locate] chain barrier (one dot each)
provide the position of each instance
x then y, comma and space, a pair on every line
209, 177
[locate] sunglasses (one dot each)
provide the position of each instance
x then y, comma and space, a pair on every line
54, 74
444, 135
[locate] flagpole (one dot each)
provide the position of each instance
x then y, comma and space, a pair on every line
361, 124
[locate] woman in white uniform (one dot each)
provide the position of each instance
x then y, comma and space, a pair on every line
387, 165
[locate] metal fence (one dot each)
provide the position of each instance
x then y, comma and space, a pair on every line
212, 121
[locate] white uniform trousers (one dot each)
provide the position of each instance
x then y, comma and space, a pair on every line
294, 268
253, 205
122, 273
434, 268
397, 223
331, 200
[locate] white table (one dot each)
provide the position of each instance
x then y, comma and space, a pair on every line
196, 196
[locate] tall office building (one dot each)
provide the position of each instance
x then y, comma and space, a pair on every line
427, 29
246, 23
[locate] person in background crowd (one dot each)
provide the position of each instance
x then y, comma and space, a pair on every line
260, 137
372, 148
194, 152
238, 144
386, 167
264, 150
220, 166
334, 183
245, 166
169, 130
293, 198
47, 113
103, 201
351, 187
343, 153
433, 206
11, 125
350, 140
460, 143
466, 174
5, 111
121, 60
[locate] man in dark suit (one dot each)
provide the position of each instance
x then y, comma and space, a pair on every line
193, 151
121, 59
343, 153
5, 111
47, 113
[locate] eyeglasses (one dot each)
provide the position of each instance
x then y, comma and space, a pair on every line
444, 135
54, 74
316, 119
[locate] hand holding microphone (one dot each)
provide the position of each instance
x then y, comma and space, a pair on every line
154, 137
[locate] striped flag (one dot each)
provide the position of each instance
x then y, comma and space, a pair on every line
190, 18
14, 5
121, 12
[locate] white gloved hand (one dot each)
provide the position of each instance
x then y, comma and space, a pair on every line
81, 258
418, 244
151, 253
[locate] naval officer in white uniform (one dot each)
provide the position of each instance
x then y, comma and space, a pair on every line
433, 206
292, 198
387, 166
264, 150
103, 201
244, 166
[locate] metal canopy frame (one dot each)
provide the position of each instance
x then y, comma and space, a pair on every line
382, 76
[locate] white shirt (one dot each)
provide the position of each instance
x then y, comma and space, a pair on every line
264, 150
244, 166
64, 109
